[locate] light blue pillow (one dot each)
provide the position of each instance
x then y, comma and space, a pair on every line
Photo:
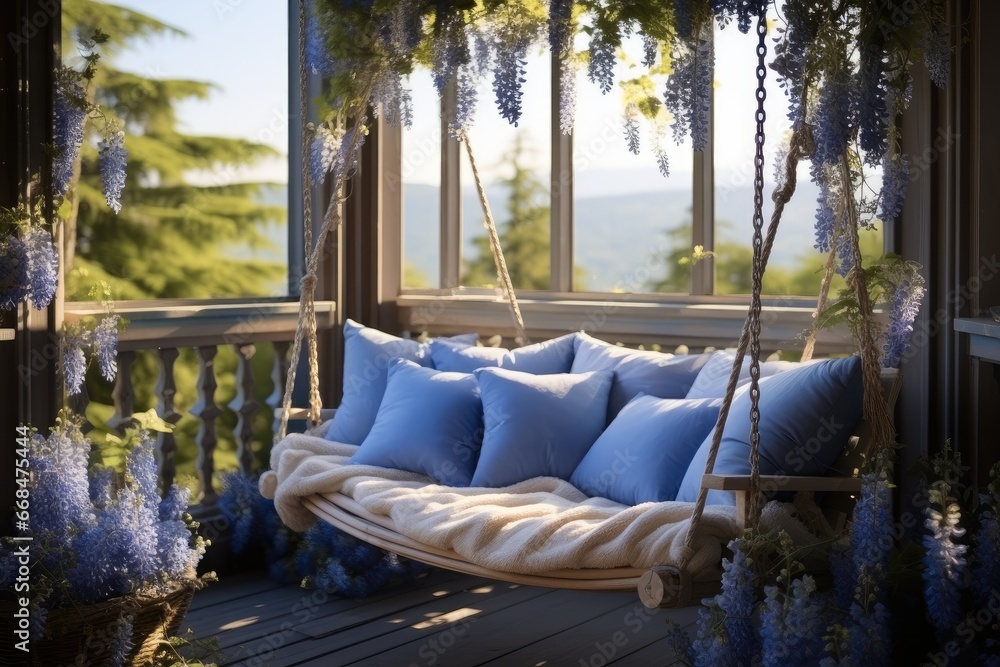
713, 378
644, 453
637, 371
429, 422
538, 425
367, 353
806, 417
545, 358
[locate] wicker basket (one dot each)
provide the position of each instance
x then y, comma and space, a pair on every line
86, 632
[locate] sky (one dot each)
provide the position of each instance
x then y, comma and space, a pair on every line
241, 46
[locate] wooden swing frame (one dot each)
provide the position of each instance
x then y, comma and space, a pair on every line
664, 586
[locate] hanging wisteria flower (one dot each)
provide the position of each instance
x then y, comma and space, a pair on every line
43, 266
937, 51
74, 364
405, 27
650, 48
105, 342
895, 178
682, 14
845, 242
323, 152
872, 102
451, 50
601, 67
831, 123
560, 30
69, 117
465, 104
567, 96
113, 161
632, 128
792, 53
688, 92
14, 283
904, 308
659, 137
508, 75
318, 59
388, 95
828, 203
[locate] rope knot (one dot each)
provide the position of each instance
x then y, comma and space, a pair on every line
308, 282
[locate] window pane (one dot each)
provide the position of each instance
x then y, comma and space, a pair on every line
422, 186
795, 267
630, 223
204, 205
515, 165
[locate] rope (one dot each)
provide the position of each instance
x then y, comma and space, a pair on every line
824, 295
503, 275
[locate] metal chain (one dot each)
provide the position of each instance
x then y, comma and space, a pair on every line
753, 506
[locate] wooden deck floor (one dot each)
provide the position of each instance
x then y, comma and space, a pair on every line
444, 619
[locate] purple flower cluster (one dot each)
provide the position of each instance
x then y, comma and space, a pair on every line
845, 248
944, 559
237, 502
632, 128
406, 27
322, 153
682, 18
105, 343
43, 266
113, 162
121, 642
560, 33
389, 95
827, 204
451, 50
689, 88
318, 59
870, 639
601, 67
14, 283
872, 107
467, 97
935, 43
650, 49
737, 600
508, 77
663, 163
792, 625
895, 178
871, 533
74, 363
904, 308
69, 117
679, 641
792, 52
831, 123
567, 97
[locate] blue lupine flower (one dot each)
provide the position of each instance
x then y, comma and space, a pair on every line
237, 502
832, 120
688, 92
43, 266
944, 561
601, 68
895, 178
567, 97
737, 599
871, 642
712, 648
69, 117
986, 554
113, 163
679, 641
120, 647
14, 282
632, 128
650, 48
560, 15
105, 340
842, 571
871, 534
792, 629
508, 75
905, 306
74, 364
937, 51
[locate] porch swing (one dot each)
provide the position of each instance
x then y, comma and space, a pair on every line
676, 581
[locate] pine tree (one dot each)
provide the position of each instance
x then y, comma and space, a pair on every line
169, 238
524, 235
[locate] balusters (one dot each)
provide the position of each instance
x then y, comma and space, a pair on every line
244, 405
279, 376
124, 393
207, 411
166, 390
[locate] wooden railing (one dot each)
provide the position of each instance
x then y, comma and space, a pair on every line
166, 327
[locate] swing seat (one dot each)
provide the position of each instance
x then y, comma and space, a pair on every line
592, 543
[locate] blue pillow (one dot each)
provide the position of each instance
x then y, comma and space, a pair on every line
644, 453
367, 353
637, 371
714, 375
547, 357
538, 425
806, 417
429, 422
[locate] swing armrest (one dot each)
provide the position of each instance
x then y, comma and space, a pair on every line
782, 483
295, 414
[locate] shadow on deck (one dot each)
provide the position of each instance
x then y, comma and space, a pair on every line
441, 619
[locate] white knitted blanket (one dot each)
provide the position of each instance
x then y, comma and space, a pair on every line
537, 525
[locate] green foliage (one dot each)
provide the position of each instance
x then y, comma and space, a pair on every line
524, 235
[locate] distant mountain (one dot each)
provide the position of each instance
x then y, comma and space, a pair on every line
614, 234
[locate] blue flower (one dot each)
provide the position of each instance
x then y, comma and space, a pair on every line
318, 59
43, 266
682, 18
601, 67
69, 117
567, 97
237, 503
845, 248
560, 35
937, 51
870, 640
944, 560
832, 119
737, 600
843, 573
14, 282
465, 106
113, 161
904, 308
121, 644
679, 641
871, 533
689, 88
451, 50
872, 106
508, 75
105, 339
74, 364
102, 486
61, 507
632, 128
895, 178
650, 48
826, 210
663, 163
388, 95
792, 52
322, 153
